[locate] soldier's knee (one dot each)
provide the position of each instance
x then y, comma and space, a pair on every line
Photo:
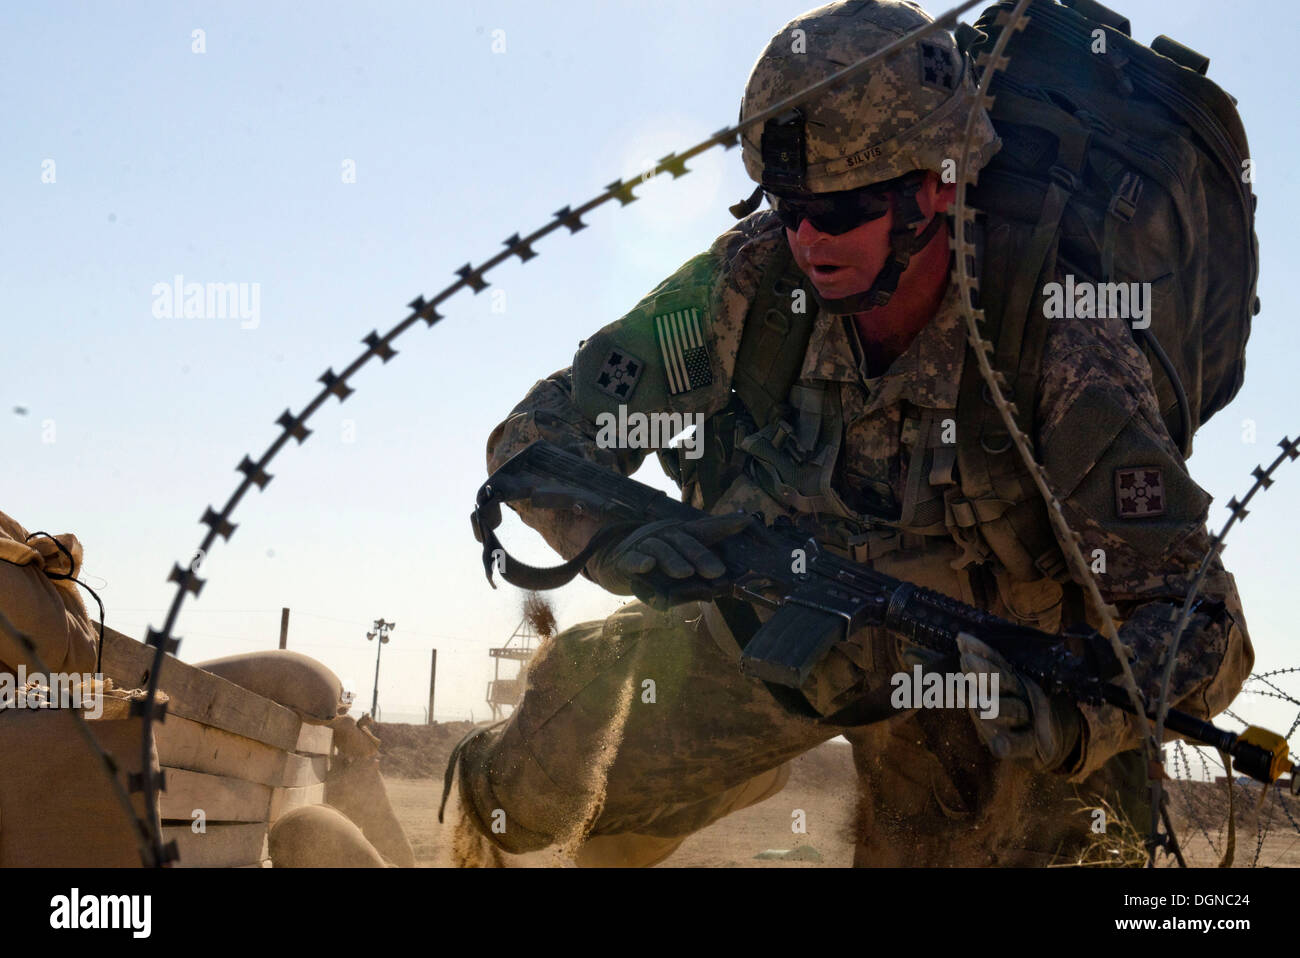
504, 795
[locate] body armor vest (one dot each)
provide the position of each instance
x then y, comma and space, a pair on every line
784, 437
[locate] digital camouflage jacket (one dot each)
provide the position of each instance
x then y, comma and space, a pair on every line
871, 466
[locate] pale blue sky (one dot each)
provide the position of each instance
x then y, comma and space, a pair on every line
226, 166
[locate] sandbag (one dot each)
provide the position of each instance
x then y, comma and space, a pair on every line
318, 836
355, 787
48, 610
294, 680
352, 741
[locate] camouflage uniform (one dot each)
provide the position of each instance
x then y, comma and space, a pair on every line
864, 463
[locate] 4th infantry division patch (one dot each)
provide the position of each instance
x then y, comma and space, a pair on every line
1139, 492
619, 375
686, 358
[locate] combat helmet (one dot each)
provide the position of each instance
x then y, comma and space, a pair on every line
907, 114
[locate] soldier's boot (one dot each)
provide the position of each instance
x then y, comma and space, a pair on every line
634, 733
931, 795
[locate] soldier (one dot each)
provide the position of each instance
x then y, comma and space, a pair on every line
822, 340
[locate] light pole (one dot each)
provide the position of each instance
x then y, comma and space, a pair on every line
382, 629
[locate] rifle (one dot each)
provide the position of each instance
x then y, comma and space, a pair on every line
817, 599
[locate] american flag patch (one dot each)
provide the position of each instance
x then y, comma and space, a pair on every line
686, 358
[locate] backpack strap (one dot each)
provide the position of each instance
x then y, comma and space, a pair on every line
775, 339
997, 493
998, 497
1020, 340
768, 362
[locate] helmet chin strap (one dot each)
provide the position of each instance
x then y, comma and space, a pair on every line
904, 243
746, 206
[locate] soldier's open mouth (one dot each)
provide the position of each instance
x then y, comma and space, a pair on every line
825, 270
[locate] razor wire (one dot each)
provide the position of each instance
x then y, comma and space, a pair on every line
1280, 696
1180, 754
1261, 831
1183, 773
1277, 793
1278, 692
1237, 513
293, 427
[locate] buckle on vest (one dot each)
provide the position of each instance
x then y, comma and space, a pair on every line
1008, 393
1122, 208
967, 513
1123, 205
1052, 565
999, 450
781, 433
1065, 178
793, 448
869, 546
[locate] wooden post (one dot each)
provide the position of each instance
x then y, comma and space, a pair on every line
433, 675
284, 628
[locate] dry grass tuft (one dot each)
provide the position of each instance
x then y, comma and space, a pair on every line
1120, 845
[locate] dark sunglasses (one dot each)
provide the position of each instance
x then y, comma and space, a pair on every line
837, 213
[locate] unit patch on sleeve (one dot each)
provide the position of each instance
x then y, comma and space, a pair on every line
1139, 492
686, 358
619, 375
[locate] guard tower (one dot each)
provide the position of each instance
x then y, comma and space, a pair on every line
504, 693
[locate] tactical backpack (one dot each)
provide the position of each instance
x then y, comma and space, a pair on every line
1134, 166
1120, 163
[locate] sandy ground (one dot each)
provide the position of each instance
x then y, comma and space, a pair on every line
822, 786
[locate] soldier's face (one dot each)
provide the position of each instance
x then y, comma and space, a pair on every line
847, 264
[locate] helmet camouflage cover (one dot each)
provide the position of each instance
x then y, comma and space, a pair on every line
908, 113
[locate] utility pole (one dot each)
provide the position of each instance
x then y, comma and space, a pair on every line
382, 629
284, 628
433, 675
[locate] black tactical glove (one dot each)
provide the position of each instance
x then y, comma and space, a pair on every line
668, 562
1029, 724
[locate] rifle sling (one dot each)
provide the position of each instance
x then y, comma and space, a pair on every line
536, 579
